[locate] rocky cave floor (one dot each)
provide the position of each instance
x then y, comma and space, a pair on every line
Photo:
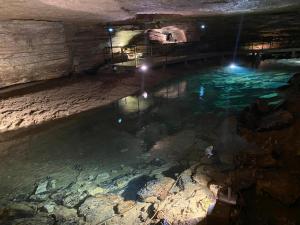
264, 179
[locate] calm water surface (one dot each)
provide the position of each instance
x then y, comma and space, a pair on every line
160, 124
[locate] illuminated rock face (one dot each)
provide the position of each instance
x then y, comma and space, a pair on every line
39, 50
32, 51
115, 10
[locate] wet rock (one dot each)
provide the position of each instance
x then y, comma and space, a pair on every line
93, 191
187, 207
155, 190
276, 120
64, 216
59, 196
207, 173
123, 206
98, 209
157, 162
48, 207
74, 199
102, 177
39, 198
40, 219
280, 185
185, 179
42, 187
201, 179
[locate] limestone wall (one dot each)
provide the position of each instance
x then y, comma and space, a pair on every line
32, 50
41, 50
86, 44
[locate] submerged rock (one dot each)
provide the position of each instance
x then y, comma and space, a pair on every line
18, 210
74, 199
40, 219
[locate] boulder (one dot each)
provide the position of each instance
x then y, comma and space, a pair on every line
74, 199
185, 179
64, 215
155, 190
123, 206
98, 209
48, 207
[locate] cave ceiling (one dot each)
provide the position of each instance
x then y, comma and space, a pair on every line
117, 10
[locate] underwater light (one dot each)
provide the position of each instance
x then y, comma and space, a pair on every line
145, 95
144, 68
233, 66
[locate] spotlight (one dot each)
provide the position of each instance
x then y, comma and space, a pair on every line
145, 95
144, 68
110, 30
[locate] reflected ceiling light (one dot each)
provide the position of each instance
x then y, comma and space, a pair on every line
144, 68
145, 95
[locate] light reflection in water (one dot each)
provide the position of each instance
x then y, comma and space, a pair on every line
172, 91
134, 104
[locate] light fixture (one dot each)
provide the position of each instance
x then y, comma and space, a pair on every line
145, 94
110, 29
203, 26
144, 68
120, 120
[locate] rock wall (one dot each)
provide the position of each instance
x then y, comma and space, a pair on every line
86, 44
41, 50
32, 50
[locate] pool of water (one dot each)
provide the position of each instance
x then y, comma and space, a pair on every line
169, 126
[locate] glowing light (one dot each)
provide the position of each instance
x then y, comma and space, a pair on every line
233, 66
145, 95
120, 120
110, 30
202, 91
203, 26
144, 68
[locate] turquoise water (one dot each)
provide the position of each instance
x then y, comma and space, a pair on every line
163, 123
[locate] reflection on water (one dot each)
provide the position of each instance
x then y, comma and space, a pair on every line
134, 104
172, 91
174, 122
